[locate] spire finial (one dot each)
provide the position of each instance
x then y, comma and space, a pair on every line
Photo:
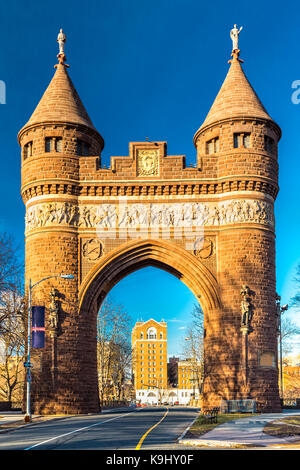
61, 39
234, 35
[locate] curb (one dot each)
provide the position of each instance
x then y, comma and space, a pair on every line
186, 430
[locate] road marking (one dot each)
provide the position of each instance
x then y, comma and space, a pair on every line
149, 430
77, 430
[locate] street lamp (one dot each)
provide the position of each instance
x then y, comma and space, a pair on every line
280, 310
27, 364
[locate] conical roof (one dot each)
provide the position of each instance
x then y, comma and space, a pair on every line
236, 98
60, 103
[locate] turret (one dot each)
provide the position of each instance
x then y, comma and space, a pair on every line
56, 135
237, 146
238, 129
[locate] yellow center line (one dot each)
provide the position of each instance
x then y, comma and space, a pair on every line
149, 430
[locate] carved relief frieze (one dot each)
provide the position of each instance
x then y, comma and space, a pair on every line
126, 215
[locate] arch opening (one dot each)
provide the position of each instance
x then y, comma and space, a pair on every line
135, 256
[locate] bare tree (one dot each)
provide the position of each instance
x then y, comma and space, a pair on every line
12, 342
295, 301
194, 346
114, 352
289, 330
10, 273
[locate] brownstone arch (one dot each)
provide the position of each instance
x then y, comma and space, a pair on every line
137, 254
134, 255
210, 224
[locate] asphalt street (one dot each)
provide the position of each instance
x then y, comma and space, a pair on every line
131, 429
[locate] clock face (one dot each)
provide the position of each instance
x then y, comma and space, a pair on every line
147, 162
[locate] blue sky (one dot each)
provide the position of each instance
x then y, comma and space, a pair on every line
152, 68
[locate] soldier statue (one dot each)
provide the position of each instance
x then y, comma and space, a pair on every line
53, 311
245, 307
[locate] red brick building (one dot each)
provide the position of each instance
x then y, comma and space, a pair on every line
211, 225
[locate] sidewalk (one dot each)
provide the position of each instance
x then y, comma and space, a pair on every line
244, 432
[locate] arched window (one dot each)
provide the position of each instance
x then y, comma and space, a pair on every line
142, 335
151, 333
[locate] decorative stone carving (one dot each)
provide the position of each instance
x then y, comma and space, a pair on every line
92, 249
147, 162
150, 215
203, 248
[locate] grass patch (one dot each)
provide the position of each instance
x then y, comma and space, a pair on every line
201, 426
284, 427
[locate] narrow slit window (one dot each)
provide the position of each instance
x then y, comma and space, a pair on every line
83, 148
241, 140
49, 144
27, 151
269, 144
212, 146
58, 144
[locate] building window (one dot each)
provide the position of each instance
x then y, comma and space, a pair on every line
151, 333
48, 144
241, 140
142, 336
269, 144
212, 146
53, 144
27, 151
83, 148
58, 144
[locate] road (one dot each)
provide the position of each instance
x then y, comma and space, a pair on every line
127, 429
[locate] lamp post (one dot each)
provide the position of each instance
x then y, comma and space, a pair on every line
280, 310
27, 364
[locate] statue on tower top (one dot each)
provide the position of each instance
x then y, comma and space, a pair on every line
234, 34
61, 39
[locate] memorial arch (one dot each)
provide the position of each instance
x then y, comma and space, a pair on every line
210, 224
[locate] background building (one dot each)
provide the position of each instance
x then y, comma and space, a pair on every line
149, 359
172, 368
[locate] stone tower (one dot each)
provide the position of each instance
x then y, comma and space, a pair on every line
211, 225
57, 135
237, 147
